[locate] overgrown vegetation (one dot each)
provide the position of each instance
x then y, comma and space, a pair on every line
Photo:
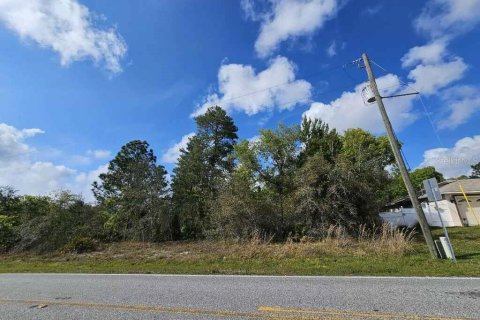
289, 183
40, 223
259, 255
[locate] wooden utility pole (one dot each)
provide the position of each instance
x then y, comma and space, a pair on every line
400, 162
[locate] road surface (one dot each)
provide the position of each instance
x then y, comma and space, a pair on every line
105, 297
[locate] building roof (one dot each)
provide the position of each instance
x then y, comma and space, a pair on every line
469, 185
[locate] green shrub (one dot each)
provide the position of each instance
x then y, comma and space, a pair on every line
81, 245
7, 233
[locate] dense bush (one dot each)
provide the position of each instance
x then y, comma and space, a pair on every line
46, 223
81, 245
7, 233
296, 181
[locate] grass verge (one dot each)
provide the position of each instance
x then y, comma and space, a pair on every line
334, 256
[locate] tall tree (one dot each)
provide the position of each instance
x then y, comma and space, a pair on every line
273, 160
219, 134
202, 170
366, 158
133, 191
317, 137
277, 150
191, 191
475, 171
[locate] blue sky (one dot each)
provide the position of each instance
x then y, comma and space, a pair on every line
81, 78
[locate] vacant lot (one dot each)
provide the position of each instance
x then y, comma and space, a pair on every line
390, 255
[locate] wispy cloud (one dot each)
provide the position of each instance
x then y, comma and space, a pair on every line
332, 49
372, 10
99, 154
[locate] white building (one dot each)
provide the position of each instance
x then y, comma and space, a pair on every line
455, 211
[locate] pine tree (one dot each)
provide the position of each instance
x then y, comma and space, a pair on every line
202, 170
190, 187
219, 134
133, 191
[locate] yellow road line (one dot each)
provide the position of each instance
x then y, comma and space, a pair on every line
378, 315
264, 312
173, 310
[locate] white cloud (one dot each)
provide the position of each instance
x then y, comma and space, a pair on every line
19, 170
67, 27
287, 19
348, 111
435, 71
429, 78
35, 177
254, 139
173, 153
242, 89
332, 49
89, 157
83, 181
370, 11
430, 53
441, 17
80, 160
250, 9
99, 154
455, 161
11, 141
462, 102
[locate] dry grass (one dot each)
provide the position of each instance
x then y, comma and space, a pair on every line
372, 252
382, 241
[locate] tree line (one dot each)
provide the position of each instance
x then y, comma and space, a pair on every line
291, 181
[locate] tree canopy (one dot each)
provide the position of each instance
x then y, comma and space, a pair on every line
289, 181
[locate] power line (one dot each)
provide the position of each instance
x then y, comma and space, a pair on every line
407, 85
427, 112
349, 76
292, 102
311, 75
332, 89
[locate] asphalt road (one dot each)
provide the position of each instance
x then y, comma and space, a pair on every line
81, 296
